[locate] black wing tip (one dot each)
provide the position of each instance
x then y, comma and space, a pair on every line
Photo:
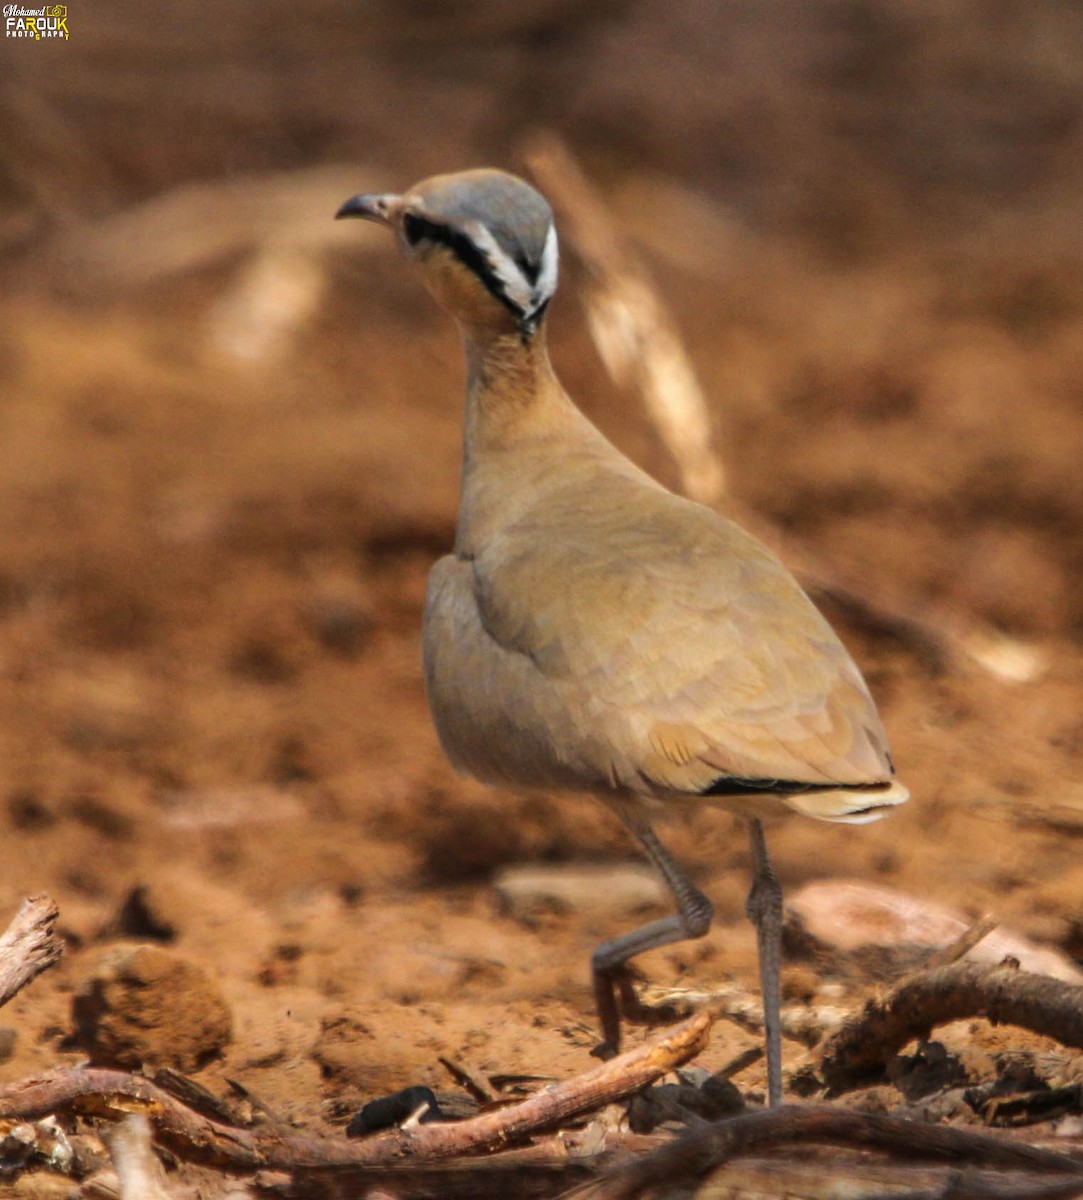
739, 785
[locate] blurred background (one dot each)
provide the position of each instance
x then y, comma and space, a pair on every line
229, 451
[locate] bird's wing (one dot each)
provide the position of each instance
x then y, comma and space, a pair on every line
684, 649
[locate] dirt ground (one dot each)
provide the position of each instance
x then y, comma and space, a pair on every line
229, 452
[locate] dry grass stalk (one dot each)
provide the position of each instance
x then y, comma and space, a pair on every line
636, 337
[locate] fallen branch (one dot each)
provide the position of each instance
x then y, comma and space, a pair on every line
197, 1138
28, 946
1002, 994
694, 1155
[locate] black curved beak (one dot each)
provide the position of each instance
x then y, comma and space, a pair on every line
369, 207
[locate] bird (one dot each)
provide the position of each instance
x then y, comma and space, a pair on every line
592, 631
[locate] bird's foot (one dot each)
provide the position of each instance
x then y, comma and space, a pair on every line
617, 999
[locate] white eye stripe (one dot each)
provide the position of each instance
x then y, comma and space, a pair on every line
526, 297
504, 268
547, 272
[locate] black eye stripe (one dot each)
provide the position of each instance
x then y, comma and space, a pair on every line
530, 270
416, 229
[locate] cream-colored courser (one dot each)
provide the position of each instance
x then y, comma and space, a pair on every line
592, 631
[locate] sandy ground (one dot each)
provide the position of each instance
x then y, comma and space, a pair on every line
213, 544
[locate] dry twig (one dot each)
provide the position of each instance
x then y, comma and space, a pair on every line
1002, 994
471, 1079
963, 944
29, 945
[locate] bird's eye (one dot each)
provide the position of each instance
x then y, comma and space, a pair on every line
413, 229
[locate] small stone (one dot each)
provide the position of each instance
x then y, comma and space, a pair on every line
225, 807
848, 915
145, 1005
527, 892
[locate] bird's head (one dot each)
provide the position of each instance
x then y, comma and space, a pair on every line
483, 240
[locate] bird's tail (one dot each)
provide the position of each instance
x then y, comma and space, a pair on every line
852, 805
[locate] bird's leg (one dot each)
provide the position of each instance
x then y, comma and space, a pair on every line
612, 974
765, 911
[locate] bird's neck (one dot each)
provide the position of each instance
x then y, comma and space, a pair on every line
519, 421
512, 392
